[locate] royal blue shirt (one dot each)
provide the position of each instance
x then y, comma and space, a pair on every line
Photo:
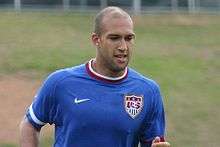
91, 110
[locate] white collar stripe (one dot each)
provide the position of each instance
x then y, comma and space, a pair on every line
33, 116
106, 77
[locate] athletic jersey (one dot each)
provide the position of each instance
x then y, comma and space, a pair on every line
92, 110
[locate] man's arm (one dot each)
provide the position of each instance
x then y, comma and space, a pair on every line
29, 136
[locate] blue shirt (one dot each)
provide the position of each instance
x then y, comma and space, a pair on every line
91, 110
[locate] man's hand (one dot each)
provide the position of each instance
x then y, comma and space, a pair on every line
157, 143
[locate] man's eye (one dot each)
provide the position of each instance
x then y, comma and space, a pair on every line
114, 38
129, 38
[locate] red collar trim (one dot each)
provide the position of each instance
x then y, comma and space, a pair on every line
100, 77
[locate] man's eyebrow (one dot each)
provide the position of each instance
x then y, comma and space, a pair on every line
131, 34
113, 35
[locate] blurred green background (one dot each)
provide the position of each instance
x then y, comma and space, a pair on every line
180, 51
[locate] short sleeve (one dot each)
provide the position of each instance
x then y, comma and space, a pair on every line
155, 124
43, 107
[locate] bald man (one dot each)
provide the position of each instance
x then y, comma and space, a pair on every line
102, 103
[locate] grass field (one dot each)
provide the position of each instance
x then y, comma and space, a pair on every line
181, 52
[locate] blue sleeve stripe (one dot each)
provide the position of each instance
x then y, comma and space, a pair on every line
34, 118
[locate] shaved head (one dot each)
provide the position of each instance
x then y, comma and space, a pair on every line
109, 13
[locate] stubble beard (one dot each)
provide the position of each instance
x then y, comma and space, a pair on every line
114, 68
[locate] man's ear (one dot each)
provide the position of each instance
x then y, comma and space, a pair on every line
95, 39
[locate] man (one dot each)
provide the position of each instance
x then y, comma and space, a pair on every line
102, 103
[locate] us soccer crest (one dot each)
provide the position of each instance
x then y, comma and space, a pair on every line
133, 104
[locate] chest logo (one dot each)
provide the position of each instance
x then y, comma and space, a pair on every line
77, 101
133, 104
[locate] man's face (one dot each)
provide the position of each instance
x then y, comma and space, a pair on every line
116, 43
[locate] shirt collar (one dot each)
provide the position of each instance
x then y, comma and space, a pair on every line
98, 76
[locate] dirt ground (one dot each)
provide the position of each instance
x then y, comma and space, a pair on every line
16, 94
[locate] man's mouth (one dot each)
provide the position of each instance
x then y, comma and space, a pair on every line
121, 58
120, 55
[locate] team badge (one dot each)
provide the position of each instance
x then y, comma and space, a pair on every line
133, 104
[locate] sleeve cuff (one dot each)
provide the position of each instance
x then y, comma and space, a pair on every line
148, 142
33, 119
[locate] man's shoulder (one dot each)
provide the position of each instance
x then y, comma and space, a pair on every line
61, 74
142, 79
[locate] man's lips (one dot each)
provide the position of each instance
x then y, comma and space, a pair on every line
121, 58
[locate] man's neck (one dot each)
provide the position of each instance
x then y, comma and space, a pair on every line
105, 71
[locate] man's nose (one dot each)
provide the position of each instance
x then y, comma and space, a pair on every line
123, 45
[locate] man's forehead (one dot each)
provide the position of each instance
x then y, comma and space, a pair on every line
114, 27
116, 22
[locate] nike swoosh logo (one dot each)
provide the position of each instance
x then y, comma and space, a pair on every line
77, 101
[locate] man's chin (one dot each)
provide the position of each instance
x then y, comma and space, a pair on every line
120, 68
